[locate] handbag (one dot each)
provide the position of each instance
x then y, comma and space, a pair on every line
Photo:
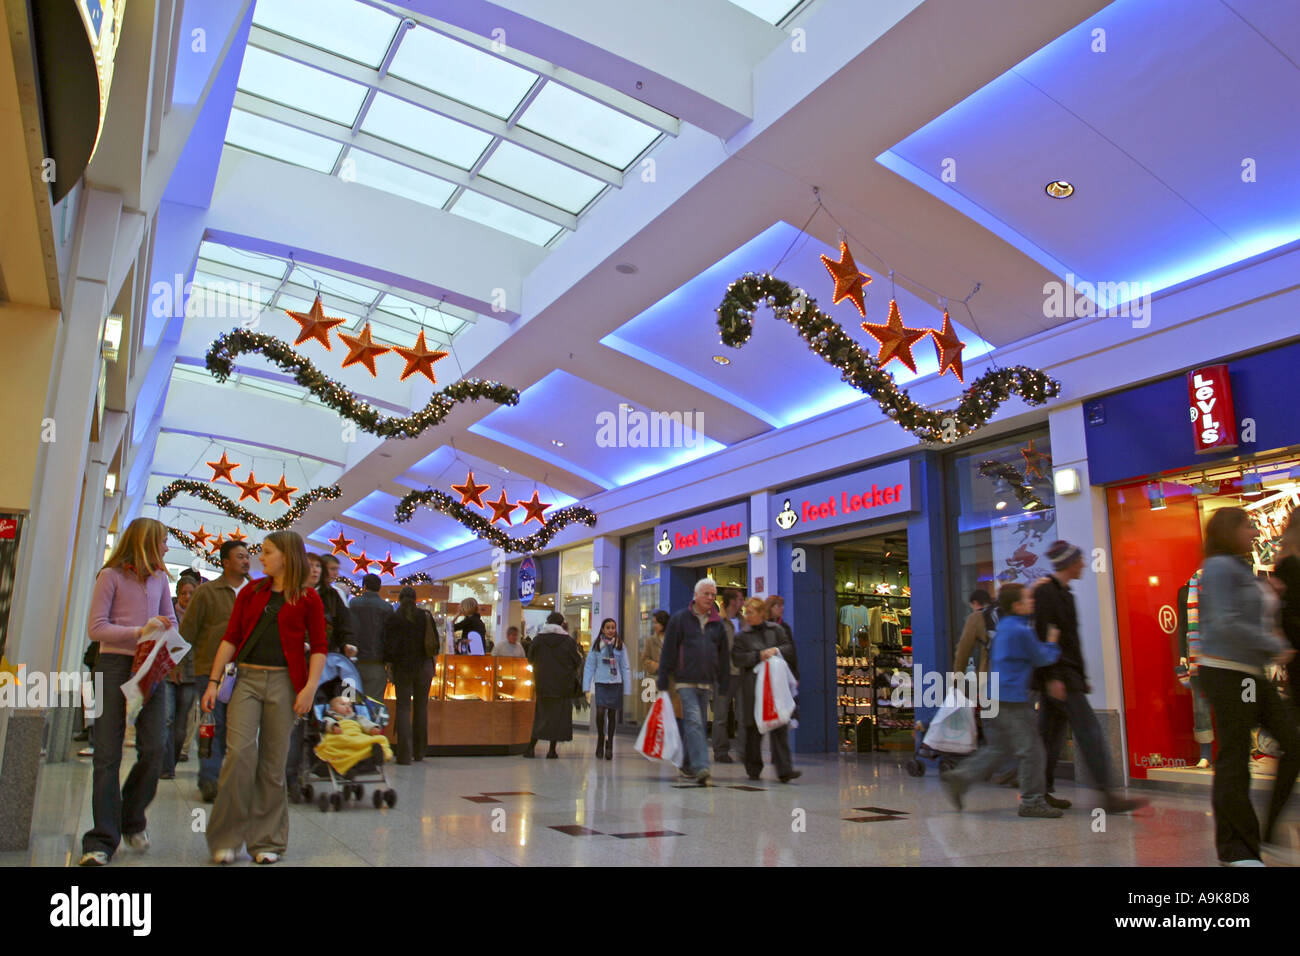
432, 643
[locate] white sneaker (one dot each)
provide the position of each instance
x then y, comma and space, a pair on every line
266, 858
138, 841
1202, 764
94, 858
223, 856
1244, 863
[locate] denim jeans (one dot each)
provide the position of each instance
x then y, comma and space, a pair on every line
178, 698
210, 769
1076, 713
1202, 723
1013, 732
119, 809
695, 704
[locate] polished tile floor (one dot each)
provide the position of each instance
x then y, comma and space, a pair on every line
503, 811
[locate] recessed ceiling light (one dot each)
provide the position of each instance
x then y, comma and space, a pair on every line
1060, 189
557, 443
626, 268
722, 360
1001, 505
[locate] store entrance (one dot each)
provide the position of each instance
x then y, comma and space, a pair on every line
873, 643
1157, 531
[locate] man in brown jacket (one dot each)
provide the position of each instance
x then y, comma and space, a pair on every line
976, 635
203, 627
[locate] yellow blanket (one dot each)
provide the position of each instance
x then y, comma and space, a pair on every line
345, 750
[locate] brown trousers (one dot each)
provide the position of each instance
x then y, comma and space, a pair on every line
252, 804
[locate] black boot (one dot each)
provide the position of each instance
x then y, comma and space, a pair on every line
532, 745
600, 731
551, 754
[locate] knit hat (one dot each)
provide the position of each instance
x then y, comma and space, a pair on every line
1062, 554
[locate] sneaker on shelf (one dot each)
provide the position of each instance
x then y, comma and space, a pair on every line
1040, 811
1056, 802
93, 858
138, 841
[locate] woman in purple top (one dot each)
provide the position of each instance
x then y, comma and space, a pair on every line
132, 599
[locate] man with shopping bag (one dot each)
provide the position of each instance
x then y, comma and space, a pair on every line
765, 691
695, 653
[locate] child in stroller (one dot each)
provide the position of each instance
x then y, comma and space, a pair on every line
344, 736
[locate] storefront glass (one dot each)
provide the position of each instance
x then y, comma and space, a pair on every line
575, 592
640, 601
480, 586
1004, 504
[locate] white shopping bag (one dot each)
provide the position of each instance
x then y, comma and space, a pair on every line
773, 694
155, 657
953, 729
659, 738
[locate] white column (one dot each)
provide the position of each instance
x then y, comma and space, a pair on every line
604, 594
762, 567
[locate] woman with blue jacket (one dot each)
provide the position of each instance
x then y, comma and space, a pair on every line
1239, 639
608, 669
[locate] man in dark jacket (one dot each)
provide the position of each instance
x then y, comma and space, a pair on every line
695, 653
369, 613
1065, 686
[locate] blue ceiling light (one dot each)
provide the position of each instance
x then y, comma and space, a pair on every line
1143, 101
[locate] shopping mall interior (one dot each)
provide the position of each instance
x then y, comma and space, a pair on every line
582, 309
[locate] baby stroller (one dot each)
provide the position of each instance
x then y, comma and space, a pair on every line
951, 736
340, 678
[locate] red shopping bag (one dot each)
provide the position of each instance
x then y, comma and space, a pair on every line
659, 738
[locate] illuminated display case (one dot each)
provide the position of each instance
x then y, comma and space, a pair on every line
478, 704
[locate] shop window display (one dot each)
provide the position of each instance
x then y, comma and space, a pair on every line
1157, 533
640, 601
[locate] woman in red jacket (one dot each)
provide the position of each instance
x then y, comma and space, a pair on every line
273, 619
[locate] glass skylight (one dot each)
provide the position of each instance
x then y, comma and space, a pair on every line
542, 178
380, 173
479, 208
251, 289
582, 123
457, 70
335, 288
281, 80
281, 142
353, 30
773, 11
406, 125
248, 261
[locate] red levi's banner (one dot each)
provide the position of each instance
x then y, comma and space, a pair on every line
1214, 419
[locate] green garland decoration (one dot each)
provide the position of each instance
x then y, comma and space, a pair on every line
419, 577
1021, 486
828, 339
438, 501
220, 362
194, 547
204, 490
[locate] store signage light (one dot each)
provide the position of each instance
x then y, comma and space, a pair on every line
1210, 405
755, 544
862, 496
714, 530
1067, 481
527, 580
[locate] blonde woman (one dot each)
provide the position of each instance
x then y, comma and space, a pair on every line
274, 617
471, 635
132, 599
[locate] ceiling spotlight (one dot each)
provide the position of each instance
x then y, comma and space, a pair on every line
557, 443
1000, 505
1059, 189
722, 360
626, 268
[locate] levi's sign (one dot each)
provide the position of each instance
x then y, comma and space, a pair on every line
1214, 420
861, 496
721, 529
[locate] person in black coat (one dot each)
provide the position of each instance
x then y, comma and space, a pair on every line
412, 673
759, 639
556, 664
338, 621
470, 633
694, 654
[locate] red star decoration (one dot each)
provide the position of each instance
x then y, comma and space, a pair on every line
534, 509
388, 566
896, 340
362, 349
252, 488
237, 535
223, 469
216, 543
315, 325
201, 537
849, 282
341, 544
502, 509
1034, 459
419, 359
280, 491
360, 563
471, 493
949, 348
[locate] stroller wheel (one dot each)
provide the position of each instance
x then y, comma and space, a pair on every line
390, 797
308, 792
946, 764
359, 790
336, 800
915, 768
377, 798
323, 802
